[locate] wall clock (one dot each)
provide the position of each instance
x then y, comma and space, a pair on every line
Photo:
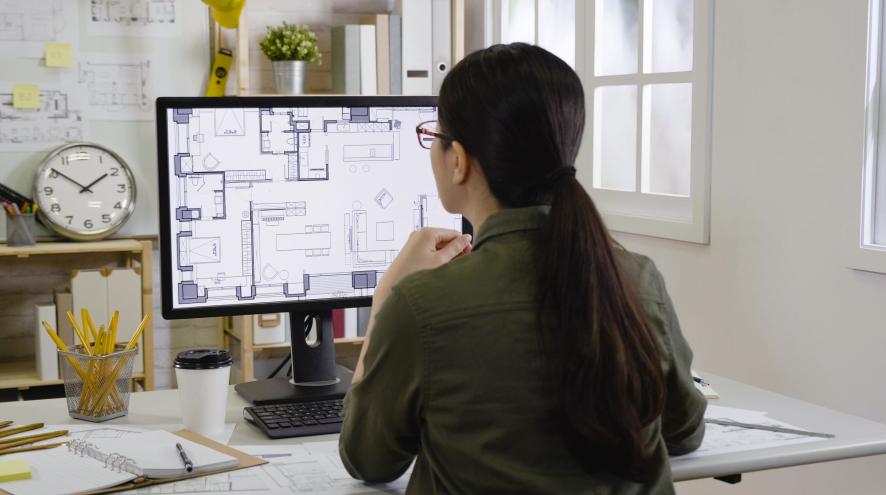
84, 191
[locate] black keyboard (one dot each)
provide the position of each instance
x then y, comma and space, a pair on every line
297, 419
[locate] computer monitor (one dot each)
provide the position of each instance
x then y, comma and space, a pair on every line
289, 204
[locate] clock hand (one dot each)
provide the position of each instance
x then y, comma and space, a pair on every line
72, 180
86, 188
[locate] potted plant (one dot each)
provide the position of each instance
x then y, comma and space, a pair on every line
290, 48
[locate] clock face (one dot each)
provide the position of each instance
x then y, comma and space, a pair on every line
84, 191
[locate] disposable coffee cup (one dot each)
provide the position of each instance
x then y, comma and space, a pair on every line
203, 376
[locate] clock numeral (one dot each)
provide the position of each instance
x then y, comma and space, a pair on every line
87, 223
55, 208
47, 190
65, 160
53, 174
121, 188
115, 171
70, 218
118, 206
106, 218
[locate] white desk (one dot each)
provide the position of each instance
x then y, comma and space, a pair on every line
855, 437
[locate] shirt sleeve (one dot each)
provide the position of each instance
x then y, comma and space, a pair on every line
381, 428
682, 421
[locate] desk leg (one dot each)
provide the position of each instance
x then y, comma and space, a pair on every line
729, 478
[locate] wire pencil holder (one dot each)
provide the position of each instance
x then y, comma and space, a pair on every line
97, 387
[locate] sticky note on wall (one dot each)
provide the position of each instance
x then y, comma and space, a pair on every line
26, 96
58, 55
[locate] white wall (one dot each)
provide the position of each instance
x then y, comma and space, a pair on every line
770, 301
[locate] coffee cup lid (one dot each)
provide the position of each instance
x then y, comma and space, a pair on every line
203, 359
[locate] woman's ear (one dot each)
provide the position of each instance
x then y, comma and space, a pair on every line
459, 163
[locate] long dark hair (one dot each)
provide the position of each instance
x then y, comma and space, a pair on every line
520, 111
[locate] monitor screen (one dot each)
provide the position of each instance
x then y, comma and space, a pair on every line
288, 203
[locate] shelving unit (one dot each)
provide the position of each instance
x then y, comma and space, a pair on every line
250, 62
240, 329
132, 254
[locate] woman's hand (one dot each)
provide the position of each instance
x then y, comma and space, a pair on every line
426, 249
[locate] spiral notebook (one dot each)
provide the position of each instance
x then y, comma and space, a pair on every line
114, 464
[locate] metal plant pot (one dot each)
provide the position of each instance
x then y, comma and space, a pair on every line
289, 76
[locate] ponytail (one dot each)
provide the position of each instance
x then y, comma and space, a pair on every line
612, 384
520, 111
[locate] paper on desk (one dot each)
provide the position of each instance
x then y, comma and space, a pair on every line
92, 431
727, 439
313, 468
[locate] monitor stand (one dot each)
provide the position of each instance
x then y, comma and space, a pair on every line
315, 376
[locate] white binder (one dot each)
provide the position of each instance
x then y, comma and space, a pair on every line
441, 42
417, 29
44, 347
368, 65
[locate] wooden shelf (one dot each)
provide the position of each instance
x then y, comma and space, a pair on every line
22, 375
134, 254
112, 246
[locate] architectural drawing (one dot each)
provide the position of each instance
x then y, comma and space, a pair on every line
155, 18
290, 204
26, 26
117, 88
56, 122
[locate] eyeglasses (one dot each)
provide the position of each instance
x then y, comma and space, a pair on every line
426, 132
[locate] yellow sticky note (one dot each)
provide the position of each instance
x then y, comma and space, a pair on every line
58, 55
15, 469
26, 96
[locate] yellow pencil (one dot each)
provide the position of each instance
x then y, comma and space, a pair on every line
20, 429
87, 322
141, 328
80, 333
29, 448
15, 442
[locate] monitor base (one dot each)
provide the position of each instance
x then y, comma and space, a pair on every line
281, 391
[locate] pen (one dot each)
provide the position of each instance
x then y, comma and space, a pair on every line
777, 429
181, 451
699, 381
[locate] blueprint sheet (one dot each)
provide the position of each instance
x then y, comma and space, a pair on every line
726, 439
314, 468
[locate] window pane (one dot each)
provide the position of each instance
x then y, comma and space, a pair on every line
880, 205
617, 35
667, 138
556, 28
615, 138
668, 37
518, 21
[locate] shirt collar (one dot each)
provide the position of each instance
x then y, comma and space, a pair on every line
510, 220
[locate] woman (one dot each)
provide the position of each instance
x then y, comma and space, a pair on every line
544, 358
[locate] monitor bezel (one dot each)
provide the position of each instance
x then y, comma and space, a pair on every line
164, 104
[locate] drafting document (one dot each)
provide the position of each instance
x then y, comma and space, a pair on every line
313, 468
116, 87
59, 120
725, 439
294, 204
26, 26
91, 432
141, 18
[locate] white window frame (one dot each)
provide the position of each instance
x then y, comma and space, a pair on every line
672, 217
864, 254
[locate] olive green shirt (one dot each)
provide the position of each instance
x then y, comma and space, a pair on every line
455, 379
